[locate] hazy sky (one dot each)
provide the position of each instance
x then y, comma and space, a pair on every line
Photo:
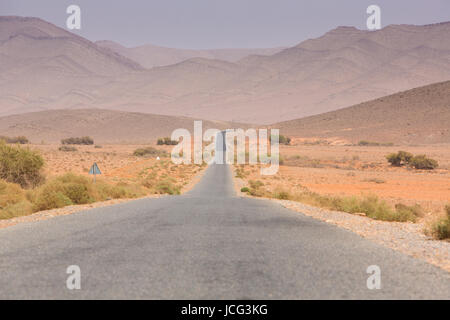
223, 23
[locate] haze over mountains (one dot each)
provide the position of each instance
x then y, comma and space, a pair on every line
43, 67
150, 56
416, 116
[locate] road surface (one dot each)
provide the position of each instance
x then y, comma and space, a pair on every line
206, 244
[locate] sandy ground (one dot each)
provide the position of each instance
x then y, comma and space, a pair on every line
352, 170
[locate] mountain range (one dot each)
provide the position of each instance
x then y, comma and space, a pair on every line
43, 67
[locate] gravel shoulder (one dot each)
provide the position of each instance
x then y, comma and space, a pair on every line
407, 238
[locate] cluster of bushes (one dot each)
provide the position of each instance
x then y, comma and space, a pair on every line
365, 143
150, 151
69, 189
78, 140
166, 141
403, 158
21, 166
19, 139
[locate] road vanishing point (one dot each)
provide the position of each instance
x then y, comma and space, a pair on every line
206, 244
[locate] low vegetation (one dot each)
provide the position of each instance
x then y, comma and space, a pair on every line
371, 206
167, 186
400, 158
403, 158
21, 165
166, 141
19, 139
150, 151
422, 162
78, 140
365, 143
441, 229
67, 149
69, 189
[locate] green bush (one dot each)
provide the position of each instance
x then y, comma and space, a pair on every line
20, 165
400, 158
150, 151
78, 140
166, 141
245, 189
422, 162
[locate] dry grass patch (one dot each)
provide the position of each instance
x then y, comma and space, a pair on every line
441, 229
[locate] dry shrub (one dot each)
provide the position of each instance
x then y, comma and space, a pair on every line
78, 140
21, 165
370, 205
150, 151
441, 229
167, 186
73, 189
13, 201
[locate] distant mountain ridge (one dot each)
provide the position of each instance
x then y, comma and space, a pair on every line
43, 67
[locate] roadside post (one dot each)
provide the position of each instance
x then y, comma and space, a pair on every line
95, 170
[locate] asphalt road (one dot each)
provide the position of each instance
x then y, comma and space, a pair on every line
207, 244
